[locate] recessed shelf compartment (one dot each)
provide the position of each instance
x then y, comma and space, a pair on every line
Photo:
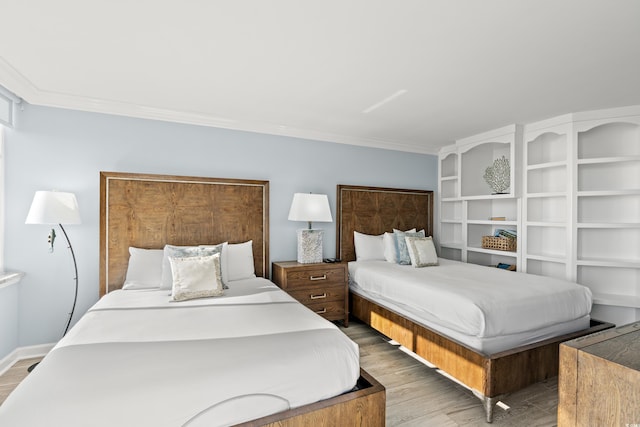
449, 189
621, 176
547, 267
615, 209
547, 180
490, 258
611, 281
618, 139
475, 161
485, 209
546, 241
451, 253
549, 147
547, 209
449, 166
609, 244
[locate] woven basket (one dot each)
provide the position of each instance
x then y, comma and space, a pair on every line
499, 243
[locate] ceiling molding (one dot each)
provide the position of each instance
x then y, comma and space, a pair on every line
21, 86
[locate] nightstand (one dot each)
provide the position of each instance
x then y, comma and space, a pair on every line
322, 287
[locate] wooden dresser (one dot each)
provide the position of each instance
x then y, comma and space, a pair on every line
599, 379
322, 287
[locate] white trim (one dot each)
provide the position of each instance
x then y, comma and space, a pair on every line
1, 198
22, 353
8, 278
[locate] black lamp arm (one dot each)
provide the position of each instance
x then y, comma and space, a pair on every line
75, 266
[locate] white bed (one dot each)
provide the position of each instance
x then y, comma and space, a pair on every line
476, 355
167, 356
488, 309
241, 350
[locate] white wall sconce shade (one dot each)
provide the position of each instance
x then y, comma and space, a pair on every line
53, 207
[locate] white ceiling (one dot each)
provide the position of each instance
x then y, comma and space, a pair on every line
323, 69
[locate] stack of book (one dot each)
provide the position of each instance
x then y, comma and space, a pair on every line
510, 234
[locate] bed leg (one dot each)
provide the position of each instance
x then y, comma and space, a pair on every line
489, 404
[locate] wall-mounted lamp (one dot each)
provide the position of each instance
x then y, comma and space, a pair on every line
53, 207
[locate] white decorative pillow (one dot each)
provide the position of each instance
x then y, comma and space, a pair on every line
422, 251
239, 261
144, 270
390, 251
401, 244
223, 262
182, 252
368, 247
196, 277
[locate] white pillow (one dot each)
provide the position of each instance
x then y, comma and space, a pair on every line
144, 270
196, 277
421, 251
390, 251
182, 252
223, 262
368, 247
239, 261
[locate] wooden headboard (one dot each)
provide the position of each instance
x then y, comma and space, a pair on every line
374, 210
149, 211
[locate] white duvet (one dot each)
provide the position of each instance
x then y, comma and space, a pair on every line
137, 359
474, 300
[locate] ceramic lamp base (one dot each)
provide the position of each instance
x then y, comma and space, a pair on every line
309, 246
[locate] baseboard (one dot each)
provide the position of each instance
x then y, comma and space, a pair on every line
21, 353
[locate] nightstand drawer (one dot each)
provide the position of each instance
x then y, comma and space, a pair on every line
331, 310
316, 277
319, 294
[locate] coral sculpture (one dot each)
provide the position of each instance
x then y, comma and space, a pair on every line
498, 175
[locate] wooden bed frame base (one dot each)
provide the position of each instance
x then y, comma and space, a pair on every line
358, 408
489, 377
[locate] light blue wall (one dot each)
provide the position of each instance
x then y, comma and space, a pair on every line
65, 150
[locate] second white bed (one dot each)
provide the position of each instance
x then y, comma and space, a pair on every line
487, 309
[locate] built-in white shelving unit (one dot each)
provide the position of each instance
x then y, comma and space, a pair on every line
577, 212
450, 206
546, 230
607, 221
466, 202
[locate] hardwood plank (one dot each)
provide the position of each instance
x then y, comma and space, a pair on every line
418, 395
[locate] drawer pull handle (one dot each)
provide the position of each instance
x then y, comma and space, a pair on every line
323, 277
323, 311
318, 296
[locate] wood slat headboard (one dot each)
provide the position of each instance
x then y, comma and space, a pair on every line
149, 211
374, 210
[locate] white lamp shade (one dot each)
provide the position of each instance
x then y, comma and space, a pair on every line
310, 207
53, 207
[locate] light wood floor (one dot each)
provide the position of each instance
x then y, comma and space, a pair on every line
416, 394
419, 396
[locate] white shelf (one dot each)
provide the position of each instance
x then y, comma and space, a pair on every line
451, 245
632, 301
492, 251
599, 262
602, 193
603, 160
449, 178
546, 224
608, 225
490, 222
560, 259
488, 197
547, 194
450, 199
547, 165
451, 221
